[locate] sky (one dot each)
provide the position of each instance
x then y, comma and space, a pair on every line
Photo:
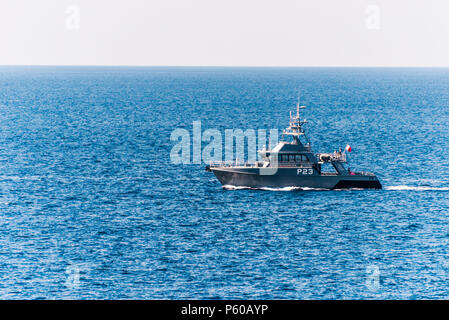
225, 33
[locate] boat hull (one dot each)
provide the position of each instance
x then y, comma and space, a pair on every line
289, 177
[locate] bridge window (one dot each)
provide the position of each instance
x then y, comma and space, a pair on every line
299, 157
292, 157
283, 157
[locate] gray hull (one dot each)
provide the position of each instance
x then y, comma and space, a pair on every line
289, 177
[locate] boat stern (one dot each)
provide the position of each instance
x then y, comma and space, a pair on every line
362, 180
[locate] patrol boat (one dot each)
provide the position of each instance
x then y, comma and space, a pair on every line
293, 164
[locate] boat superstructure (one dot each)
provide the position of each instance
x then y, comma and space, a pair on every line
293, 164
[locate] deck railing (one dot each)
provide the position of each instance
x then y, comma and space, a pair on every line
259, 164
336, 156
234, 163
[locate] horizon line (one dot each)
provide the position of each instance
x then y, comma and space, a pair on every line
213, 66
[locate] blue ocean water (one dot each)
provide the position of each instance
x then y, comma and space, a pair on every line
92, 208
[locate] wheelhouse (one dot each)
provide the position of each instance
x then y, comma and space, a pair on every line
292, 157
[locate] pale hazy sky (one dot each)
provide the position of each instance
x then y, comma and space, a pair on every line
225, 33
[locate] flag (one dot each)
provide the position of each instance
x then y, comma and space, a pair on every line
348, 148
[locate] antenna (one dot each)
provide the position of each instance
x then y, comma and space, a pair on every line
297, 110
297, 107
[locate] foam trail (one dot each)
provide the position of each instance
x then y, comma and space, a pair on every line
391, 188
416, 188
231, 187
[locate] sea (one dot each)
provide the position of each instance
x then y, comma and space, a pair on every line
92, 207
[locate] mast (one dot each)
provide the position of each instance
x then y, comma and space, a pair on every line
295, 127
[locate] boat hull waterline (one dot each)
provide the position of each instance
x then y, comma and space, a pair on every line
251, 178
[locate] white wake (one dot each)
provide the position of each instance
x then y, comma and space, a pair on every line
417, 188
392, 188
231, 187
